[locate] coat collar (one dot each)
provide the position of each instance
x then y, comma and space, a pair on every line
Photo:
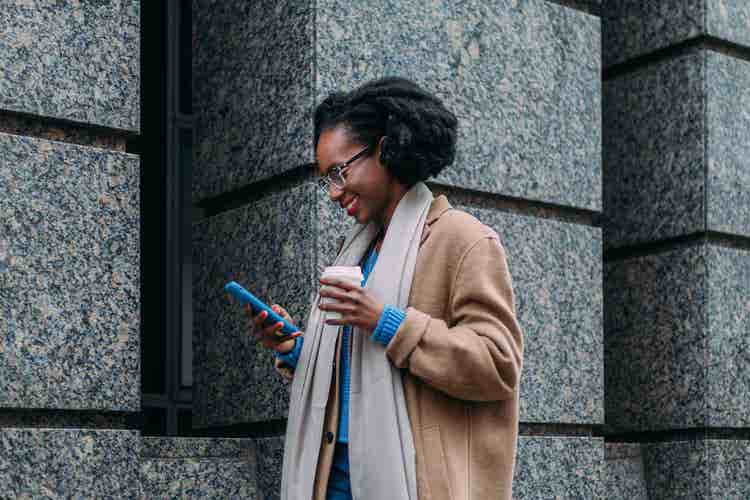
439, 206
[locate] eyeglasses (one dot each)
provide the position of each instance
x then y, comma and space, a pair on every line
335, 175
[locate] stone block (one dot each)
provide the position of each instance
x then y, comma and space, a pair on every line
546, 467
557, 274
276, 248
632, 28
77, 61
523, 79
270, 462
675, 339
253, 83
675, 149
728, 142
624, 475
559, 467
705, 469
69, 463
69, 277
198, 468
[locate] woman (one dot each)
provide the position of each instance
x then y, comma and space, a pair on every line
417, 395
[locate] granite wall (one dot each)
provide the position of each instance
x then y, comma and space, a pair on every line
523, 78
69, 249
677, 246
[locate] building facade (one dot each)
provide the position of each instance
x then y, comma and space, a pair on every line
151, 152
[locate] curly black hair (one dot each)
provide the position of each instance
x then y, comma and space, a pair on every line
419, 131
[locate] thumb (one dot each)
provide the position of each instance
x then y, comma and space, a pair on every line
280, 311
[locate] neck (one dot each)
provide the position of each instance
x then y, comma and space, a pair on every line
398, 193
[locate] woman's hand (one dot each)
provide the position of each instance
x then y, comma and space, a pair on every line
268, 336
356, 305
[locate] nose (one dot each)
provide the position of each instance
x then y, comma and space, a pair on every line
334, 193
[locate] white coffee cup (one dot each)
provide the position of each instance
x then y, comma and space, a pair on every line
350, 274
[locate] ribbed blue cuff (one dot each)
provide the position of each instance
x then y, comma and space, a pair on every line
290, 358
388, 324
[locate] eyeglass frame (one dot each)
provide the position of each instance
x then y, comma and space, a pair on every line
325, 181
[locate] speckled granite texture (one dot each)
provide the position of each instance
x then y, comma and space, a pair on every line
653, 152
675, 150
198, 468
557, 273
631, 28
270, 461
74, 60
559, 467
252, 91
546, 467
71, 463
706, 469
728, 315
523, 78
69, 238
728, 142
624, 475
188, 447
676, 340
556, 269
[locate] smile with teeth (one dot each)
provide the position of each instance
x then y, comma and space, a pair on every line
353, 205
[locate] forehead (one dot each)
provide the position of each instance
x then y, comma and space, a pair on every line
334, 146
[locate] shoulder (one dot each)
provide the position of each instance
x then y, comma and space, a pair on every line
461, 229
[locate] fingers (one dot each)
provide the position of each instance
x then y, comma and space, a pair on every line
346, 285
270, 335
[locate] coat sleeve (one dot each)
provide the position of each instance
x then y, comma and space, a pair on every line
480, 357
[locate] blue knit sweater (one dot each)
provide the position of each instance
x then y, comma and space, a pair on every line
385, 330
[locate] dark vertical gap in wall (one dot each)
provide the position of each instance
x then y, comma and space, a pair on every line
153, 93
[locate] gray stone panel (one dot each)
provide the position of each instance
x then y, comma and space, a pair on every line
523, 79
252, 91
676, 149
557, 274
728, 142
655, 336
556, 269
625, 478
729, 20
187, 447
704, 469
728, 316
676, 343
70, 463
546, 467
632, 28
654, 169
76, 61
270, 462
729, 469
69, 277
559, 467
198, 468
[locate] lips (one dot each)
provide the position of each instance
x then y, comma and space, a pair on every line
352, 206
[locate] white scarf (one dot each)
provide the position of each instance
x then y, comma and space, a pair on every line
381, 446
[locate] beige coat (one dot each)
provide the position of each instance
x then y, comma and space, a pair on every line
460, 349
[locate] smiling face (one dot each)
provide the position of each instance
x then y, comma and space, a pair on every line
371, 192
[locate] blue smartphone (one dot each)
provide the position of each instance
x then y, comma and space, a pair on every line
257, 306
